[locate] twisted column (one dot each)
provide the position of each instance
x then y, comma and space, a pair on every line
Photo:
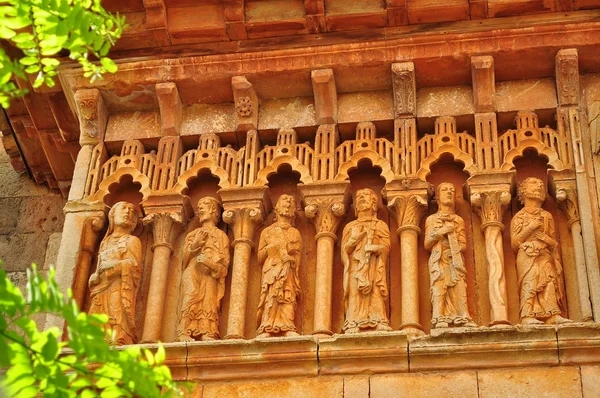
325, 206
490, 205
407, 201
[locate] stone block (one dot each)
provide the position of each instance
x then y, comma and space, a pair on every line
356, 386
364, 353
41, 214
18, 251
556, 382
484, 347
590, 381
331, 387
448, 101
52, 249
9, 214
456, 384
13, 184
351, 106
520, 94
579, 343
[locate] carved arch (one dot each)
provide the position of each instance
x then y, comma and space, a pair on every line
266, 172
378, 161
116, 178
210, 165
458, 155
532, 143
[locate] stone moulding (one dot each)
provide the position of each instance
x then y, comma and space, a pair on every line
377, 353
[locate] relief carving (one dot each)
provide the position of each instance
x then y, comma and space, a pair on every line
114, 284
88, 115
244, 106
539, 270
445, 238
365, 248
326, 214
206, 260
279, 252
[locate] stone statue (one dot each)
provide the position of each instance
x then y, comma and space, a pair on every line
206, 259
365, 248
279, 255
445, 238
114, 284
539, 270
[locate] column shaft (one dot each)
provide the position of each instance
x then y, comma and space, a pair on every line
323, 282
239, 289
156, 293
409, 273
581, 270
494, 249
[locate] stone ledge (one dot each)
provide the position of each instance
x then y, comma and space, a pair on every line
380, 353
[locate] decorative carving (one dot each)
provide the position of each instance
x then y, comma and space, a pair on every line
114, 284
206, 259
365, 248
326, 214
279, 253
539, 270
243, 106
408, 209
445, 238
88, 115
403, 77
567, 76
566, 199
92, 116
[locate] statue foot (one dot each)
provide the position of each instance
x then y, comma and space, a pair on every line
441, 325
290, 333
531, 321
556, 320
470, 325
351, 331
263, 335
184, 338
382, 328
207, 338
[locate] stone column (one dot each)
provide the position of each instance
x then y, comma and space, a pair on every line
92, 226
325, 204
244, 209
490, 196
408, 201
166, 215
564, 188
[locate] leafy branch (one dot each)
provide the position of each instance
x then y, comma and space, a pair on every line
42, 29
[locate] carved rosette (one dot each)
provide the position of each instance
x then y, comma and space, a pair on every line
325, 214
408, 209
244, 106
566, 199
490, 206
165, 228
243, 221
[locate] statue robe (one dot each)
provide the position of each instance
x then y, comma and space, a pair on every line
365, 275
203, 284
280, 284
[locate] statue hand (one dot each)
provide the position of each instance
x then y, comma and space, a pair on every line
289, 259
202, 237
94, 280
448, 229
355, 237
201, 258
375, 249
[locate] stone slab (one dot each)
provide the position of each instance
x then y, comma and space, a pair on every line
590, 381
579, 343
52, 249
9, 214
18, 251
422, 385
331, 387
239, 359
356, 386
484, 347
557, 382
364, 353
41, 214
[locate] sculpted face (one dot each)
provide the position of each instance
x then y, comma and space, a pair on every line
286, 206
533, 188
446, 194
124, 215
208, 210
365, 200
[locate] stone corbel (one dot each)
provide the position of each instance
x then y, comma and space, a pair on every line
93, 116
170, 108
563, 187
408, 201
490, 195
325, 204
484, 83
244, 209
567, 76
405, 89
325, 93
246, 104
166, 215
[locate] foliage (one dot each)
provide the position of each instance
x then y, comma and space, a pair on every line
42, 29
85, 365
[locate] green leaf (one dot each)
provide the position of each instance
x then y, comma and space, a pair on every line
160, 354
32, 68
22, 37
51, 349
6, 33
109, 64
28, 61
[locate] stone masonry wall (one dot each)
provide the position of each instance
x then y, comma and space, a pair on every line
31, 222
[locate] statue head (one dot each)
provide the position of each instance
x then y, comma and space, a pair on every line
446, 194
209, 208
532, 188
285, 207
124, 215
366, 199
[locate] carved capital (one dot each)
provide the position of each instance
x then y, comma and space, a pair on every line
408, 209
243, 222
93, 116
325, 204
566, 199
244, 209
404, 84
491, 205
165, 228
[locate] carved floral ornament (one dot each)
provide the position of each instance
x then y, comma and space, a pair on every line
244, 106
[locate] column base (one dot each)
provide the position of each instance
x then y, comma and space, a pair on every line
500, 324
234, 337
412, 329
322, 333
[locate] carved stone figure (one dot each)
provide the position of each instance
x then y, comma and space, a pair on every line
365, 248
539, 270
279, 255
206, 259
114, 284
445, 238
